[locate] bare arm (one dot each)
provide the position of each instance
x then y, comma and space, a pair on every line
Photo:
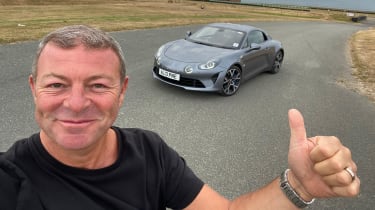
317, 171
268, 197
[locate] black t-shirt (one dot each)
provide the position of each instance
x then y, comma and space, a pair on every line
148, 174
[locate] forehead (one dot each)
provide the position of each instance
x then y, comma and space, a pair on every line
79, 58
53, 51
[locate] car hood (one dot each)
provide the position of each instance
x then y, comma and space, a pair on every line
190, 52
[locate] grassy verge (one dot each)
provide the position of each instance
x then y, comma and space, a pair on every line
23, 20
363, 54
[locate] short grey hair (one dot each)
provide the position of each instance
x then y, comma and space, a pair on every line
69, 37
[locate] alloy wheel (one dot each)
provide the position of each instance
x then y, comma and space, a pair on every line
232, 81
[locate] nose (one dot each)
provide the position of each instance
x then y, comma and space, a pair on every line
77, 100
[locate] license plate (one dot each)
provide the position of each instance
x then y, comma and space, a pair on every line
169, 75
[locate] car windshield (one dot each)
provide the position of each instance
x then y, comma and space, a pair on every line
218, 37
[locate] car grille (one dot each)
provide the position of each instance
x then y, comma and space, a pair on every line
183, 81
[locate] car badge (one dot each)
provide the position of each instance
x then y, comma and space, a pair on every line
188, 69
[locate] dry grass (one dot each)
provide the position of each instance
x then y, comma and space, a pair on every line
31, 19
363, 54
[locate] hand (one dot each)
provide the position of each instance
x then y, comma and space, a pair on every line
318, 164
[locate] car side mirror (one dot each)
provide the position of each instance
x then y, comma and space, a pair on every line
188, 33
254, 46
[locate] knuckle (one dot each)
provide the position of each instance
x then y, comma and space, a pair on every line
337, 165
334, 141
343, 178
347, 152
353, 190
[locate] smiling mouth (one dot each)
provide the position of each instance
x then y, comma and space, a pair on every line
76, 122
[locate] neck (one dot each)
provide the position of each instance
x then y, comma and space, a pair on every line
99, 155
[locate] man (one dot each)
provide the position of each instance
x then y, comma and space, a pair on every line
79, 160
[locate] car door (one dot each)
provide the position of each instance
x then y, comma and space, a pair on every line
255, 59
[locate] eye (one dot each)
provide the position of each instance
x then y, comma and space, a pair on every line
98, 86
56, 85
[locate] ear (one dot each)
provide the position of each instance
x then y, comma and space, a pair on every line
32, 86
124, 87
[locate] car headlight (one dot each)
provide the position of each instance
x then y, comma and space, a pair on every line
159, 52
209, 65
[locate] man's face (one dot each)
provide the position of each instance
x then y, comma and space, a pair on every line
77, 95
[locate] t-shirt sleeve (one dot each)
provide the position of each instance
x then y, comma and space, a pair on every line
15, 190
182, 185
8, 189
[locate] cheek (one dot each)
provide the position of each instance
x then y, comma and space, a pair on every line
110, 105
47, 104
44, 110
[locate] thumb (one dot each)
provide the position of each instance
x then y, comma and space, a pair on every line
297, 128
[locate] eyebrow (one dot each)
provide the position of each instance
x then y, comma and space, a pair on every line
53, 75
62, 77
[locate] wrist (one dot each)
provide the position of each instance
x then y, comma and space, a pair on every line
298, 187
300, 198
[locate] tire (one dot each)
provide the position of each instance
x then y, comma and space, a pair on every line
277, 62
232, 81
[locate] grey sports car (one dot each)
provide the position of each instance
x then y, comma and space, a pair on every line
218, 57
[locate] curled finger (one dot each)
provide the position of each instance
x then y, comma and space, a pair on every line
325, 147
350, 190
343, 178
335, 164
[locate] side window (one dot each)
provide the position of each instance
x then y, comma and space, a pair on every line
256, 37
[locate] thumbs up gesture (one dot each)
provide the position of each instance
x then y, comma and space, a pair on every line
320, 166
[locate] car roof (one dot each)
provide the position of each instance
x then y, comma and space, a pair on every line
234, 26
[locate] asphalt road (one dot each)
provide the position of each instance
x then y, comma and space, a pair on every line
236, 143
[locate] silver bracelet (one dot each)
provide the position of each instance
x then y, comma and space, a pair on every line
290, 193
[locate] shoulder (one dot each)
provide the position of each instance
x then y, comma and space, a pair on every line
11, 178
146, 143
137, 136
12, 161
136, 132
20, 149
16, 189
10, 172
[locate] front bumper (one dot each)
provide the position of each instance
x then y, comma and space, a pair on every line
199, 80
